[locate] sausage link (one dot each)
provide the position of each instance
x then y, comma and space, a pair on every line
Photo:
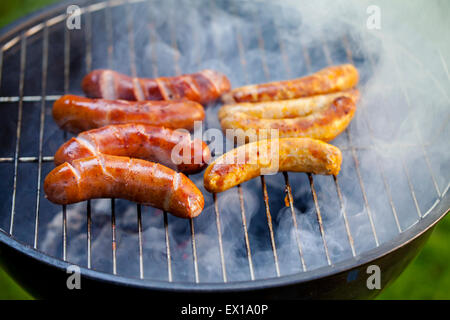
320, 117
138, 141
75, 114
328, 80
287, 154
141, 181
204, 86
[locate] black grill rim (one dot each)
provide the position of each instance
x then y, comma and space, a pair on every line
416, 231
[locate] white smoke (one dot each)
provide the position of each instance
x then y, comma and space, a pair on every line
400, 132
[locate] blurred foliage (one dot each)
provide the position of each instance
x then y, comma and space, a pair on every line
428, 277
9, 289
11, 10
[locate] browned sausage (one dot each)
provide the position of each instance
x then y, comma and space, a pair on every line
138, 141
77, 114
288, 154
321, 117
327, 80
204, 86
106, 176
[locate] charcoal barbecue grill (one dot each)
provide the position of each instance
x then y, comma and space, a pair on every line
289, 235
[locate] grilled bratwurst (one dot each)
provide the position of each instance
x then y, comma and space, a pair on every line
105, 176
174, 149
328, 80
320, 117
204, 86
76, 114
287, 154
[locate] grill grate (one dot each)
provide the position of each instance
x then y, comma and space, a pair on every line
182, 241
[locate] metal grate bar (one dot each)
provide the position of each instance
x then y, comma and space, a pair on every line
343, 209
50, 158
243, 61
284, 56
355, 160
443, 91
285, 174
141, 259
154, 59
219, 235
22, 159
444, 64
263, 182
319, 216
269, 224
178, 72
134, 75
41, 130
216, 207
380, 168
247, 241
385, 183
427, 160
438, 133
64, 231
109, 36
241, 197
8, 99
88, 44
338, 190
152, 37
294, 219
219, 230
306, 56
194, 250
66, 90
23, 48
113, 235
310, 177
89, 235
168, 255
263, 51
363, 190
411, 188
173, 40
66, 59
88, 41
131, 42
445, 190
344, 213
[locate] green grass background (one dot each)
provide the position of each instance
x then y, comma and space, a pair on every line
427, 277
